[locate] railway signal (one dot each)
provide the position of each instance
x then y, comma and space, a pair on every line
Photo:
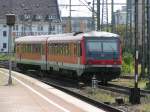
10, 20
135, 92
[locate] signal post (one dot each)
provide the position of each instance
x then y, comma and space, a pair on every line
10, 21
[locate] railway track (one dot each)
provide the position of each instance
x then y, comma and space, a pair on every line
106, 107
126, 90
73, 89
111, 87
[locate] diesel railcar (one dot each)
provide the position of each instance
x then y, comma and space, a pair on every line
84, 54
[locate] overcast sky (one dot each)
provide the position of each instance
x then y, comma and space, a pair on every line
83, 10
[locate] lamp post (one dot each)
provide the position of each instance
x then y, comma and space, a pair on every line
70, 26
10, 20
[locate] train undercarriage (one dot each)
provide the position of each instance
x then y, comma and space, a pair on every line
103, 74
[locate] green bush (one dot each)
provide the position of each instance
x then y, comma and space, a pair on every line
128, 63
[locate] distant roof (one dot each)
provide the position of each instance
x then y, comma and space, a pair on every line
77, 18
32, 7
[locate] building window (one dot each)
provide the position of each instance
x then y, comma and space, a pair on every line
40, 28
4, 45
4, 33
52, 28
4, 26
15, 27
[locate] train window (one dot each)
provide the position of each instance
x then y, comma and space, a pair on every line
55, 48
68, 53
79, 52
63, 48
52, 49
68, 50
110, 46
75, 49
36, 48
17, 48
30, 48
23, 48
49, 49
94, 46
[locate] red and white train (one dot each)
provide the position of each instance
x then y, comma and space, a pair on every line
83, 54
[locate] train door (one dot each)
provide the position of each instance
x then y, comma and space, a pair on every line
79, 52
43, 57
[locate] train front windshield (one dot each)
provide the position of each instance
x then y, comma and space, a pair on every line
102, 49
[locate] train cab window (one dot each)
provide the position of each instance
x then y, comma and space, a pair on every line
110, 46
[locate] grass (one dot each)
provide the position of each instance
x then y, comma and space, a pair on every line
144, 108
5, 56
130, 83
102, 95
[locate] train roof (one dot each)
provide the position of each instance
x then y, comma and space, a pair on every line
79, 36
64, 37
32, 39
100, 34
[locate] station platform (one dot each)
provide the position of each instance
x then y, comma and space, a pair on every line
30, 95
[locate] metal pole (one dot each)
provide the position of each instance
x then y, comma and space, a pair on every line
143, 39
70, 26
50, 26
106, 3
135, 92
148, 38
131, 35
10, 53
93, 16
98, 14
102, 18
127, 23
112, 17
136, 44
10, 20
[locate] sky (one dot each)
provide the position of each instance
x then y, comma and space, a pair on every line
83, 11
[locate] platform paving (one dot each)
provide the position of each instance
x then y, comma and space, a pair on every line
29, 98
